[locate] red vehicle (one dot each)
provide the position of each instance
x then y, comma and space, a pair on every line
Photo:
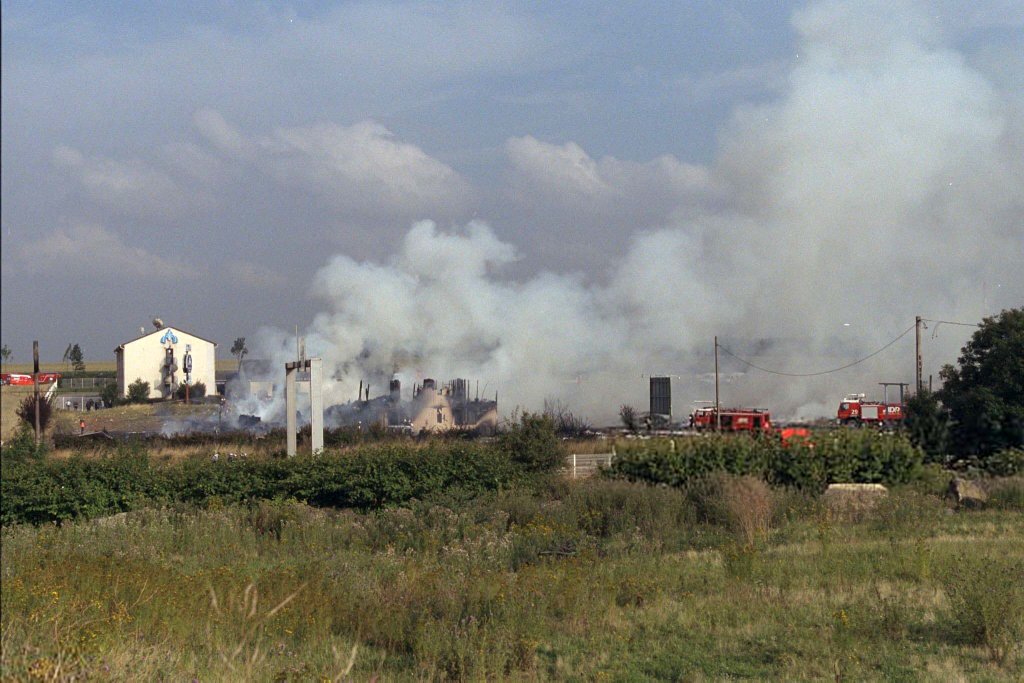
17, 379
733, 419
854, 410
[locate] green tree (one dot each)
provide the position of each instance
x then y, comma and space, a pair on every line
984, 392
532, 442
238, 350
927, 425
5, 355
138, 391
108, 394
76, 358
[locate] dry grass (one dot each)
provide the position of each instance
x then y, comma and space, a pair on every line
280, 591
10, 399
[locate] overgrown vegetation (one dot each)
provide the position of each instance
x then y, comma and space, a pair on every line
27, 411
984, 392
846, 455
195, 391
371, 477
556, 580
138, 392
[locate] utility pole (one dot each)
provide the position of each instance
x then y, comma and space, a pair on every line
718, 409
35, 387
917, 335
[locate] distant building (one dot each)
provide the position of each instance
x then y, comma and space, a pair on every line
165, 358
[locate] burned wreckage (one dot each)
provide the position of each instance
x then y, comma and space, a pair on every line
434, 407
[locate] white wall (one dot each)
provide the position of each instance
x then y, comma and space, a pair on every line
143, 359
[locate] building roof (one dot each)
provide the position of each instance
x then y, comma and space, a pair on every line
162, 330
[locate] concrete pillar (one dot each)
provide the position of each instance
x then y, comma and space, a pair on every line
316, 403
289, 407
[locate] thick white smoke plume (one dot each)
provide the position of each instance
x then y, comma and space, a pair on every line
887, 180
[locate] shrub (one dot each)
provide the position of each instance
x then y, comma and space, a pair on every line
627, 414
986, 602
858, 456
23, 446
195, 391
927, 426
27, 411
368, 478
1006, 493
138, 391
1005, 463
108, 394
531, 442
743, 504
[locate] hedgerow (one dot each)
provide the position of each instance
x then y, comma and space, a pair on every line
860, 456
46, 490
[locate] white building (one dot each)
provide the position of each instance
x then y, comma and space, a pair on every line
166, 358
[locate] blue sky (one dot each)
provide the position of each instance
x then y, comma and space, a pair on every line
205, 161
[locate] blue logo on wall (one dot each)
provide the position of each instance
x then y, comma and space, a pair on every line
169, 337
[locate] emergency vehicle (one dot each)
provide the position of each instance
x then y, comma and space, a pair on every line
854, 410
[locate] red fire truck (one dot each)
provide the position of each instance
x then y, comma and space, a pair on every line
854, 410
19, 379
733, 419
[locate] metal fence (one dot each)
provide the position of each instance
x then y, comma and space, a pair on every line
586, 464
85, 382
78, 402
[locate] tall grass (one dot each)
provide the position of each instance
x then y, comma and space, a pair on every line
558, 580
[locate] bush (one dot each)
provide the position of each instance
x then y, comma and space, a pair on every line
927, 426
742, 504
108, 394
369, 478
986, 600
22, 446
138, 391
1006, 493
195, 391
27, 411
857, 456
531, 441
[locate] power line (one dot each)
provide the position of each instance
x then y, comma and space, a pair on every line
823, 372
966, 325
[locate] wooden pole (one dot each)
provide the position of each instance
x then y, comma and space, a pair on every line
718, 408
35, 387
917, 334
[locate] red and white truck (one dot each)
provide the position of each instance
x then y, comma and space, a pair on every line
733, 419
854, 410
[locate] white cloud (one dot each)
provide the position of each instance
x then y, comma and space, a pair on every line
132, 187
93, 250
360, 169
567, 174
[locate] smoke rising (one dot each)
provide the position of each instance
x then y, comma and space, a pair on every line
886, 180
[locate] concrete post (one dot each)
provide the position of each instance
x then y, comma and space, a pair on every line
316, 403
289, 406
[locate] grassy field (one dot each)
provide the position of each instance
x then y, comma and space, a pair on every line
595, 580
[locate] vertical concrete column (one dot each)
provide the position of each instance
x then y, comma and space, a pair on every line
290, 405
316, 403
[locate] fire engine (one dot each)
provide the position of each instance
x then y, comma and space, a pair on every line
733, 419
16, 379
854, 410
